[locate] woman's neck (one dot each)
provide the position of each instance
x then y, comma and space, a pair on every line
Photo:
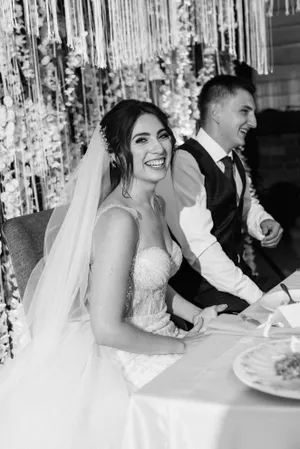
142, 194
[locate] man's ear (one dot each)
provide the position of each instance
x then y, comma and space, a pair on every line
198, 125
215, 112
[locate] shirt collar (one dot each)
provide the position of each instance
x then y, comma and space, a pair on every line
211, 146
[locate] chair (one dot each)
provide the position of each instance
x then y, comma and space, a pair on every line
25, 240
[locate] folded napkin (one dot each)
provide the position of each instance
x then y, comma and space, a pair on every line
236, 325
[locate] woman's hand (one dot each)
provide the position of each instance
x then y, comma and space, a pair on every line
201, 321
208, 314
193, 336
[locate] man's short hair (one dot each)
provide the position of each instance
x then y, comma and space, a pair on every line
219, 87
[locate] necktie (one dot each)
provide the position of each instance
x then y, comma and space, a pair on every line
228, 164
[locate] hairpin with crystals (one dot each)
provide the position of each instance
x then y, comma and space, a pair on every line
112, 158
103, 136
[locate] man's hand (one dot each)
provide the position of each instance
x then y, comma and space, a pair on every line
207, 314
272, 232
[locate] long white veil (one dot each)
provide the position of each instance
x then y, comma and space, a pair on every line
68, 243
62, 391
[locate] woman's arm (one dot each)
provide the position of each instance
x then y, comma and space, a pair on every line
115, 240
180, 307
184, 309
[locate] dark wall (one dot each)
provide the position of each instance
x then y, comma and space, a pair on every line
273, 152
278, 147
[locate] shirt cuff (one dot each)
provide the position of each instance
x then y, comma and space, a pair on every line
253, 225
254, 293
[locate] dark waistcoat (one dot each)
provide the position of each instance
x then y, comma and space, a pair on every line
226, 214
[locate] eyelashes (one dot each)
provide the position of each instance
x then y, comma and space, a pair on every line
145, 139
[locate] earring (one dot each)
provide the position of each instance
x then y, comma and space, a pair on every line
112, 160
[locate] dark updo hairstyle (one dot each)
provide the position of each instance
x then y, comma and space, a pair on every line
117, 126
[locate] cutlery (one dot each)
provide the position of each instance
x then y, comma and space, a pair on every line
250, 320
286, 290
254, 321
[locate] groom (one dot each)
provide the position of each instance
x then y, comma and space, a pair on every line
208, 201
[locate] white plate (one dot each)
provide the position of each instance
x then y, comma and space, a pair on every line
271, 301
255, 368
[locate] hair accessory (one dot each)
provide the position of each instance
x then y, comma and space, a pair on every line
103, 136
112, 157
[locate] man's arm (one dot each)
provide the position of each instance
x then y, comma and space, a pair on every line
260, 224
253, 212
191, 223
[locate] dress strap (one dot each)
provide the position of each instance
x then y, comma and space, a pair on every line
132, 211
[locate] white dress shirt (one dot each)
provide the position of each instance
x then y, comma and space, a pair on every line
191, 222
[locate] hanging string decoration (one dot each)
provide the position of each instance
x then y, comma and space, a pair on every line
64, 63
130, 32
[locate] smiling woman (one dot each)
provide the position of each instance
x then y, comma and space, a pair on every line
124, 133
152, 149
100, 313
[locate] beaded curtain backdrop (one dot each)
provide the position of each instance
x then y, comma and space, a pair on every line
64, 63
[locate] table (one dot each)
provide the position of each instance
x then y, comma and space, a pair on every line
198, 403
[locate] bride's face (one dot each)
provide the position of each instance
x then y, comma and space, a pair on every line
151, 149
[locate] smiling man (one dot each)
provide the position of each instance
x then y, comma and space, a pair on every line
208, 201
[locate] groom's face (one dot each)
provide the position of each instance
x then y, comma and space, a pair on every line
236, 115
151, 149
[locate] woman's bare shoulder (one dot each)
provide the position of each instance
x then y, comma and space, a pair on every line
116, 223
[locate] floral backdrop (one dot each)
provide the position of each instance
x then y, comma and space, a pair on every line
63, 64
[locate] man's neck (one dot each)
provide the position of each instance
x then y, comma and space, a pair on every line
213, 134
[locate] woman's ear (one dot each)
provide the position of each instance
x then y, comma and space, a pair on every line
112, 159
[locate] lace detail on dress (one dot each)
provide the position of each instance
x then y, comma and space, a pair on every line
150, 272
146, 308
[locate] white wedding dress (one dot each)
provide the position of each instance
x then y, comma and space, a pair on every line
76, 397
146, 308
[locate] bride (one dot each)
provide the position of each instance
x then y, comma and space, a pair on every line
98, 317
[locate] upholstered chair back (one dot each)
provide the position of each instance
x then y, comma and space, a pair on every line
25, 239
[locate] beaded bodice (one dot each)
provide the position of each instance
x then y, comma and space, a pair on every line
148, 280
146, 308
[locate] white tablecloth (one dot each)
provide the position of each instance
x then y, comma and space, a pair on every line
198, 403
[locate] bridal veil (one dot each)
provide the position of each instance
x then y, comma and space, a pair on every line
62, 391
